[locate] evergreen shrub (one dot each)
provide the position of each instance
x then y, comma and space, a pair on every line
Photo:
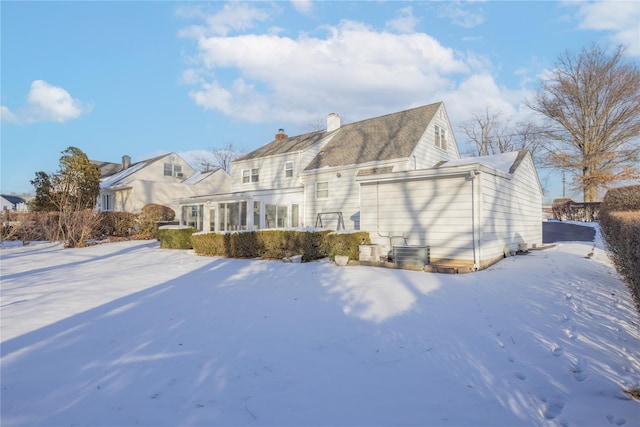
278, 244
151, 216
347, 243
175, 237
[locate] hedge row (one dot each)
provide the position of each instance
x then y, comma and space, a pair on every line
620, 226
277, 244
176, 237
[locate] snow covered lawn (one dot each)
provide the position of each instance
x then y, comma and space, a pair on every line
129, 334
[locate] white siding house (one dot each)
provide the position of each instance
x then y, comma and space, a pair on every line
398, 176
13, 203
160, 180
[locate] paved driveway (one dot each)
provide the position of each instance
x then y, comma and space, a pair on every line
556, 231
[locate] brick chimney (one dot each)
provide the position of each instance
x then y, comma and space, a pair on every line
333, 122
126, 161
281, 135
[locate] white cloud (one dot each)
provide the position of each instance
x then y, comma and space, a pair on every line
465, 15
7, 115
232, 17
303, 6
405, 22
46, 103
620, 18
354, 68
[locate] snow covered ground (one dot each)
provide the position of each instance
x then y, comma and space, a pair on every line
126, 334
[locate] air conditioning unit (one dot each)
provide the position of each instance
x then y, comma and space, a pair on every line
180, 175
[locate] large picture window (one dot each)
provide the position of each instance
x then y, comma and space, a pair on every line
256, 215
192, 216
275, 216
232, 216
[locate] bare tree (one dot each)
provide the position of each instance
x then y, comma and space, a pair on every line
222, 158
491, 133
590, 104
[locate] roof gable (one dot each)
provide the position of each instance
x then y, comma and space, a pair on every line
388, 137
13, 199
119, 177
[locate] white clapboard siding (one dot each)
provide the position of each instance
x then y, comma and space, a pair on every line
343, 197
426, 154
511, 210
271, 173
432, 212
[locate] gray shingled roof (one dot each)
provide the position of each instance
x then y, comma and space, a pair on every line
107, 168
393, 136
288, 145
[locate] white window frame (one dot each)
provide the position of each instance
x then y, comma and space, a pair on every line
288, 169
107, 202
322, 193
440, 137
250, 175
171, 169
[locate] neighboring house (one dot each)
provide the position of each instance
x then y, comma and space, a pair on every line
334, 179
13, 203
129, 187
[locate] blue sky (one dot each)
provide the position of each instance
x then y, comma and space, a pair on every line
145, 78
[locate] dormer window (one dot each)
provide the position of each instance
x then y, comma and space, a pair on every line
288, 169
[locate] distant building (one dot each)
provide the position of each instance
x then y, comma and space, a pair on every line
13, 203
128, 187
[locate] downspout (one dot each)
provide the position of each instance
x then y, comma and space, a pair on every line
388, 236
474, 225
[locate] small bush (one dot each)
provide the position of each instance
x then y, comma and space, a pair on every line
173, 237
347, 244
115, 224
150, 218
